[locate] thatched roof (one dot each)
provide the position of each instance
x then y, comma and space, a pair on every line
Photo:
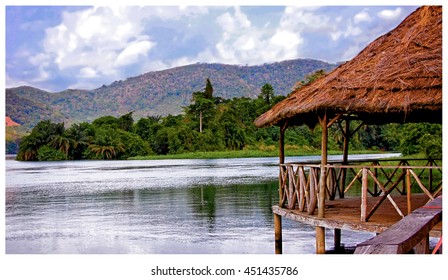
397, 78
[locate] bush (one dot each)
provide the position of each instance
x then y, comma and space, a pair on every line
432, 146
47, 153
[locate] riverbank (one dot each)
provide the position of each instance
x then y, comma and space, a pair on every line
245, 154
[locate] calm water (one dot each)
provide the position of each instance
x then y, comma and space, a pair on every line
163, 206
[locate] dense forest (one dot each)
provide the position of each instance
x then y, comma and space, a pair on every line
211, 123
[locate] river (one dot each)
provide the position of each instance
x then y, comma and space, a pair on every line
218, 206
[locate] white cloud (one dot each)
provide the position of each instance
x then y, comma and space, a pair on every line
132, 52
87, 72
244, 43
103, 44
99, 41
232, 23
248, 44
87, 38
362, 16
39, 59
352, 30
390, 14
286, 39
305, 18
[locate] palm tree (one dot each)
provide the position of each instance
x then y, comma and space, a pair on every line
28, 148
61, 142
106, 145
80, 136
107, 151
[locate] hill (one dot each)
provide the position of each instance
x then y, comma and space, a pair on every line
9, 122
155, 93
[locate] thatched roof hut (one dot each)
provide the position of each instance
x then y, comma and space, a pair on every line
397, 78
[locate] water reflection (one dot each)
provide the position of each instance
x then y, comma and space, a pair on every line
175, 206
203, 204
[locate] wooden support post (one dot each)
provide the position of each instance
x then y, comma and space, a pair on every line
376, 185
364, 195
337, 239
430, 176
278, 218
320, 240
281, 152
346, 135
423, 246
320, 231
281, 144
278, 234
323, 169
408, 191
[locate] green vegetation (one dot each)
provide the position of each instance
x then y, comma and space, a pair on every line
212, 127
154, 93
251, 152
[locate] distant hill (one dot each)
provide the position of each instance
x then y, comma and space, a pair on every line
155, 93
9, 122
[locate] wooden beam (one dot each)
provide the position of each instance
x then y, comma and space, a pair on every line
281, 143
278, 234
408, 191
423, 246
386, 194
322, 181
346, 135
356, 129
320, 231
333, 120
320, 240
406, 234
364, 195
420, 184
281, 155
337, 239
344, 214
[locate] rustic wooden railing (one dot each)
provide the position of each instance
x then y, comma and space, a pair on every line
410, 233
299, 183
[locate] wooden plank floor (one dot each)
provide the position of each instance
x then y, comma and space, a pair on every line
346, 214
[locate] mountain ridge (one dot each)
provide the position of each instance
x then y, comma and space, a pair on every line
160, 92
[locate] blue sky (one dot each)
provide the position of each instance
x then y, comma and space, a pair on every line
56, 47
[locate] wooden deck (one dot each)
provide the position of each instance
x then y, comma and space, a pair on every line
345, 214
387, 192
409, 234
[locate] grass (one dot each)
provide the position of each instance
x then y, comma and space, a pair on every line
245, 153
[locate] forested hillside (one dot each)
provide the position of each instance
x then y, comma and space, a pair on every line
211, 123
155, 93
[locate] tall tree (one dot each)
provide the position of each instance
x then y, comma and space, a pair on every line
126, 121
267, 93
203, 104
208, 91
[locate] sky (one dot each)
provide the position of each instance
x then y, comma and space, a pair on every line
84, 47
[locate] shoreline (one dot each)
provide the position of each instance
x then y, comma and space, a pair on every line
232, 154
245, 154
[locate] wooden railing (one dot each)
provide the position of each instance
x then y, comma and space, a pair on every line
409, 233
299, 183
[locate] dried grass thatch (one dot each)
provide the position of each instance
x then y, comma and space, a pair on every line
397, 78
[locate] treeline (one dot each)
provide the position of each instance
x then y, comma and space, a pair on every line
211, 124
